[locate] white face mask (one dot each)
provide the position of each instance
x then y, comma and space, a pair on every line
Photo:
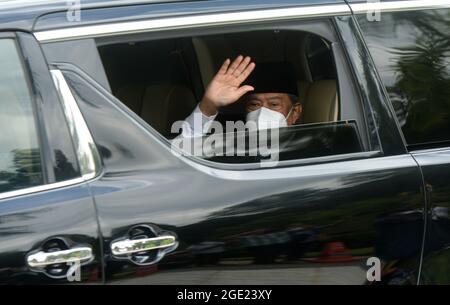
265, 118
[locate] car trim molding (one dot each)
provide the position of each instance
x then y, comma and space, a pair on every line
192, 21
393, 6
86, 150
41, 188
217, 19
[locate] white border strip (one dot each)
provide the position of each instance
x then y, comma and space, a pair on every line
393, 6
190, 22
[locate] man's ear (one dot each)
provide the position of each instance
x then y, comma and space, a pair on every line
297, 112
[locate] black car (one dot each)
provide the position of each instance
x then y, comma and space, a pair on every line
92, 191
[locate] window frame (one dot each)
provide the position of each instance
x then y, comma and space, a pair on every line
338, 58
197, 161
369, 153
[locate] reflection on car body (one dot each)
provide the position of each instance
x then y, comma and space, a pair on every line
88, 174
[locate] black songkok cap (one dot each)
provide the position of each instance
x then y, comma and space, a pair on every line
276, 77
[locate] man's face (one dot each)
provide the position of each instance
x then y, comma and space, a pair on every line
280, 102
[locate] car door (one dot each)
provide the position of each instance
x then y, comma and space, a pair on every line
48, 225
411, 51
170, 219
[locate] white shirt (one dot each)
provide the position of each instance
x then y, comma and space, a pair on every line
196, 124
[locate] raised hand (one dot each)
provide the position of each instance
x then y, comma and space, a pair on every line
224, 89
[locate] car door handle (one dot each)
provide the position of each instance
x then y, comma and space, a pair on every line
42, 259
129, 246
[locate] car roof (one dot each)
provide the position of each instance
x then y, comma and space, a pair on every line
23, 14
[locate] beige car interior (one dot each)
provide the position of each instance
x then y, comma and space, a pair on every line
319, 98
143, 100
162, 103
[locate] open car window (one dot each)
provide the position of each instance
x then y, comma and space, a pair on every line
163, 80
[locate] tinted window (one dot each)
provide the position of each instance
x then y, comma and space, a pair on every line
293, 142
20, 158
412, 53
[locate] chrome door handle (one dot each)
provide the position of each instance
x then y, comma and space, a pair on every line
42, 259
129, 246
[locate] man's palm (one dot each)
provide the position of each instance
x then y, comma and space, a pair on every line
224, 89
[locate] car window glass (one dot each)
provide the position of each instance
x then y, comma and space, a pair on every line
20, 158
411, 51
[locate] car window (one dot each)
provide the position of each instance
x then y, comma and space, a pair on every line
292, 143
164, 80
20, 157
411, 51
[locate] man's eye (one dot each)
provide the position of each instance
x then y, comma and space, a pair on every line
253, 105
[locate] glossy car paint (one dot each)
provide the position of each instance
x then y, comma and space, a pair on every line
306, 224
31, 222
382, 120
58, 146
56, 218
397, 52
435, 166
